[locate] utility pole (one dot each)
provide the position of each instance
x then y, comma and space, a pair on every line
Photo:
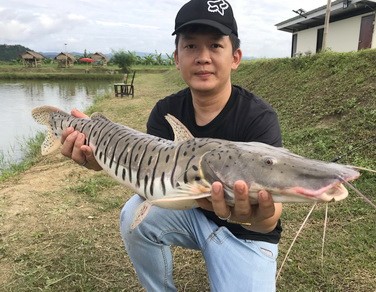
66, 56
326, 25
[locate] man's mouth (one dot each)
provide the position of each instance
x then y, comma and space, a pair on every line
203, 73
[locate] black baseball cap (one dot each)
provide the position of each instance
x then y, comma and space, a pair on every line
214, 13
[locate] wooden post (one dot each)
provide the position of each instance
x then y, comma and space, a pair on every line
326, 25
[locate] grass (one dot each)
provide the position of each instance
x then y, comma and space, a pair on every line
59, 222
31, 156
76, 72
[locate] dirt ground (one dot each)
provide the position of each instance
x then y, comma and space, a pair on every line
52, 237
24, 202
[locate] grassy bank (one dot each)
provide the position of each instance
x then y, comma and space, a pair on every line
59, 222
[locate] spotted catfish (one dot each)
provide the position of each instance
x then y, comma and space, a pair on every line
173, 174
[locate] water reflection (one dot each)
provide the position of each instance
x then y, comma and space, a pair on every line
18, 98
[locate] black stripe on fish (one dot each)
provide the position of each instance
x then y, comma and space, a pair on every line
100, 139
125, 149
146, 178
118, 133
186, 169
100, 126
86, 123
124, 173
154, 170
90, 134
130, 159
163, 183
140, 163
94, 131
175, 164
70, 124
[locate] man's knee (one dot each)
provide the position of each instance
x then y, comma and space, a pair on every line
127, 214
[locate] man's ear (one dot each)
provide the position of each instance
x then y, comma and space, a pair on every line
237, 57
176, 58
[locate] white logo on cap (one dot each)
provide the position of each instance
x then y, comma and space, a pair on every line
217, 6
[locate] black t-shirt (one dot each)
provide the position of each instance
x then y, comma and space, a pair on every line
244, 118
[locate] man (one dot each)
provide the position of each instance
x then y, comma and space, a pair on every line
239, 256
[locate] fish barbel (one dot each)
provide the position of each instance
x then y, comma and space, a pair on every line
174, 174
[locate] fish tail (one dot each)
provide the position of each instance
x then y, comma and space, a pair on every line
42, 115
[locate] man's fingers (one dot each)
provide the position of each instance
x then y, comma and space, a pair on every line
266, 204
66, 133
91, 162
78, 114
68, 139
77, 154
218, 201
242, 208
205, 204
72, 147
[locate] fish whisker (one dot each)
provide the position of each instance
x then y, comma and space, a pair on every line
363, 168
295, 238
357, 191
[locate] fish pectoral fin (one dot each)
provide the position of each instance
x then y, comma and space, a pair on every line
184, 198
180, 202
141, 213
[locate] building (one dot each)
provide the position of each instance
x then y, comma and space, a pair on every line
65, 60
32, 59
99, 59
351, 28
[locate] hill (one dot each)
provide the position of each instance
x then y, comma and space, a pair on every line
11, 52
327, 101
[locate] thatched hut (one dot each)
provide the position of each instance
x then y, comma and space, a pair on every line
65, 60
32, 59
99, 59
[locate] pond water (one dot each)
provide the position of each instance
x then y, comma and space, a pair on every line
18, 98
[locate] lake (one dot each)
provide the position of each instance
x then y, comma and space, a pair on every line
18, 98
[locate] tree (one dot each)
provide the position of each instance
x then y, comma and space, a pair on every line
124, 60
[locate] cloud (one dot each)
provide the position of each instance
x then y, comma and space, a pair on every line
144, 25
124, 24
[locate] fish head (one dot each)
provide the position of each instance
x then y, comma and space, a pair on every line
287, 176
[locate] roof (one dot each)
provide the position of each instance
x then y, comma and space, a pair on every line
316, 17
62, 55
102, 56
31, 55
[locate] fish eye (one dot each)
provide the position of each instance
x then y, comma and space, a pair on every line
270, 161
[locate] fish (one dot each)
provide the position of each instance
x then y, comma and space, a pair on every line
174, 174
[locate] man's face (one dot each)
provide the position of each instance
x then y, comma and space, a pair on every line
206, 60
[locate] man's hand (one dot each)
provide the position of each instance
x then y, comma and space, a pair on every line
74, 147
263, 216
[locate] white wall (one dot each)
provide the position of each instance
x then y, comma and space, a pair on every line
307, 41
343, 36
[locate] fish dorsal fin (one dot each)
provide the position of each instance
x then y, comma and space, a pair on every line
181, 133
99, 116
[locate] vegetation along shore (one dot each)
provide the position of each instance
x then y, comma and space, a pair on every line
59, 222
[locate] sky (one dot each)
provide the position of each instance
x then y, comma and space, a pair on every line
141, 26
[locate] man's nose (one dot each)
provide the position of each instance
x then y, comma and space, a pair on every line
203, 56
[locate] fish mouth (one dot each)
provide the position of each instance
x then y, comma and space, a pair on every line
333, 192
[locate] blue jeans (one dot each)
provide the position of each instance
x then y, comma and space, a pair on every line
233, 264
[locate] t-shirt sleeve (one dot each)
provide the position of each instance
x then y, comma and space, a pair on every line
157, 125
